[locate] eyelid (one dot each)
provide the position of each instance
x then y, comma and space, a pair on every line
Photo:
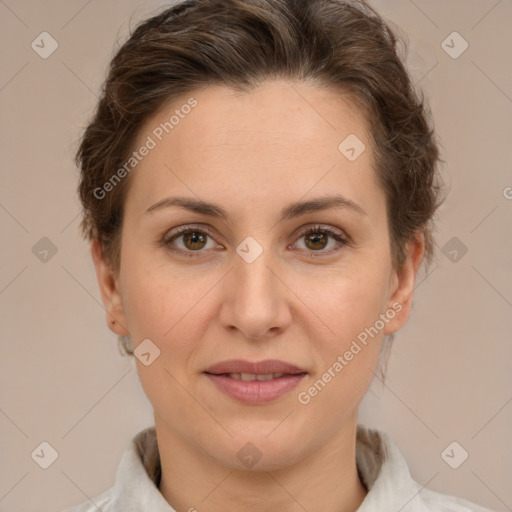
324, 227
190, 227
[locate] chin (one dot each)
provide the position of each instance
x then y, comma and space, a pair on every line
255, 450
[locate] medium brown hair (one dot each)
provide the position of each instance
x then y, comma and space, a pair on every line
338, 44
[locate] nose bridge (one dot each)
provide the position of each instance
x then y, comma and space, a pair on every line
256, 301
254, 278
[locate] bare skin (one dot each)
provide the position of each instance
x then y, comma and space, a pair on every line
300, 301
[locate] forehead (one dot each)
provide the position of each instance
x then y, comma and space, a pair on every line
280, 138
299, 113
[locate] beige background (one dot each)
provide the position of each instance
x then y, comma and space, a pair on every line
62, 378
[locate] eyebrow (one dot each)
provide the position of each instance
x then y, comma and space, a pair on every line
291, 211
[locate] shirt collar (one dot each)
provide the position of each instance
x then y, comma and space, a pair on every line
386, 475
380, 464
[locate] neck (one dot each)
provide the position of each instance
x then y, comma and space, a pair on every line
326, 480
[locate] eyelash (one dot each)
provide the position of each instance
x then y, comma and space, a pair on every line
317, 229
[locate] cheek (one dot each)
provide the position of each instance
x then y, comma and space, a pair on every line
147, 305
159, 299
351, 303
350, 347
165, 307
349, 355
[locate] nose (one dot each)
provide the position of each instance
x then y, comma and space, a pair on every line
256, 298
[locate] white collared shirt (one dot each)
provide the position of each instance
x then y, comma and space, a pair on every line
381, 466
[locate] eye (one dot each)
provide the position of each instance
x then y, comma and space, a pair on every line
189, 241
319, 239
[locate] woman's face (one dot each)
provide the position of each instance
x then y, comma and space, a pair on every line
246, 282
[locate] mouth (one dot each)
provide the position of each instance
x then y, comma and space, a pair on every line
255, 382
248, 377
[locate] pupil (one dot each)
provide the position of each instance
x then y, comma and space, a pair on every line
315, 238
194, 238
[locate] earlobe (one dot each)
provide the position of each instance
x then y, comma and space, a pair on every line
109, 289
403, 284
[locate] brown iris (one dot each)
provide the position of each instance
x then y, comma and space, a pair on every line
194, 238
316, 238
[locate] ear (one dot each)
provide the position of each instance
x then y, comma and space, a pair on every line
109, 288
402, 285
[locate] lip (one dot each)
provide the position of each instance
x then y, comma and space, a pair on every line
255, 392
257, 367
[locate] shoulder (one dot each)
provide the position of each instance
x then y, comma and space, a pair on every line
438, 502
386, 474
103, 502
135, 480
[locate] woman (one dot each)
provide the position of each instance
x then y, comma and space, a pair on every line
258, 185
